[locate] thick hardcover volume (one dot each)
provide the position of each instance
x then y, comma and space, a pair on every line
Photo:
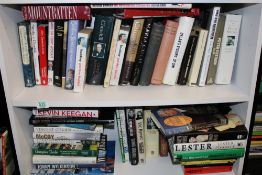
48, 159
67, 136
82, 48
132, 137
176, 6
63, 62
100, 46
131, 51
228, 49
198, 55
187, 60
73, 28
207, 169
141, 52
34, 41
112, 52
142, 13
163, 146
178, 50
120, 135
26, 54
164, 51
211, 75
119, 54
33, 12
208, 162
151, 53
151, 136
51, 52
212, 25
66, 113
123, 125
58, 53
42, 43
140, 133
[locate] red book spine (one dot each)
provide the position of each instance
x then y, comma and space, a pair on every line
135, 13
42, 54
207, 169
56, 12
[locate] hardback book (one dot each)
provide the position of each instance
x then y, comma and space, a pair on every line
42, 44
151, 135
63, 66
228, 49
178, 50
212, 26
131, 51
26, 54
83, 45
54, 12
100, 45
58, 52
74, 26
141, 52
208, 169
163, 146
112, 53
151, 54
198, 55
143, 6
119, 54
211, 75
34, 41
67, 136
143, 13
164, 51
140, 133
51, 52
208, 162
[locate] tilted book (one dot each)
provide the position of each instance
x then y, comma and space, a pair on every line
51, 52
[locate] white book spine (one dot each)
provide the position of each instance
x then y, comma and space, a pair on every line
228, 49
56, 141
118, 58
120, 135
51, 48
140, 135
67, 136
46, 129
209, 146
81, 61
178, 50
46, 159
124, 134
209, 46
34, 41
197, 59
162, 5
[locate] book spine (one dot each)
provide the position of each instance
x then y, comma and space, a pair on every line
164, 51
3, 147
100, 45
64, 54
178, 50
81, 60
197, 59
66, 113
211, 75
58, 53
28, 71
141, 52
60, 129
34, 41
33, 12
131, 134
213, 20
120, 136
51, 52
187, 60
42, 43
47, 159
67, 136
228, 49
57, 152
176, 6
207, 169
112, 52
123, 123
119, 55
163, 146
208, 162
51, 141
151, 54
131, 51
102, 149
140, 135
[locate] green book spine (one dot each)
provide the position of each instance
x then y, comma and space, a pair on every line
255, 133
120, 136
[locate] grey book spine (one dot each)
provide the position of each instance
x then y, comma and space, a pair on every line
151, 53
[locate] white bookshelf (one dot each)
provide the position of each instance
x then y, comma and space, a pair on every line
241, 90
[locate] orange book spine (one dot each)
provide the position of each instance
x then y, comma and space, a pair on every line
207, 169
164, 51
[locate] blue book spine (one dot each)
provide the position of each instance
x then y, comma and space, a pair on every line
73, 29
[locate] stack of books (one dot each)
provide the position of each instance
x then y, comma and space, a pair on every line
65, 142
256, 140
203, 138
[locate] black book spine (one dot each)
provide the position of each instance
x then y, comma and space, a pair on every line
141, 52
58, 52
100, 45
131, 136
64, 54
187, 60
151, 53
